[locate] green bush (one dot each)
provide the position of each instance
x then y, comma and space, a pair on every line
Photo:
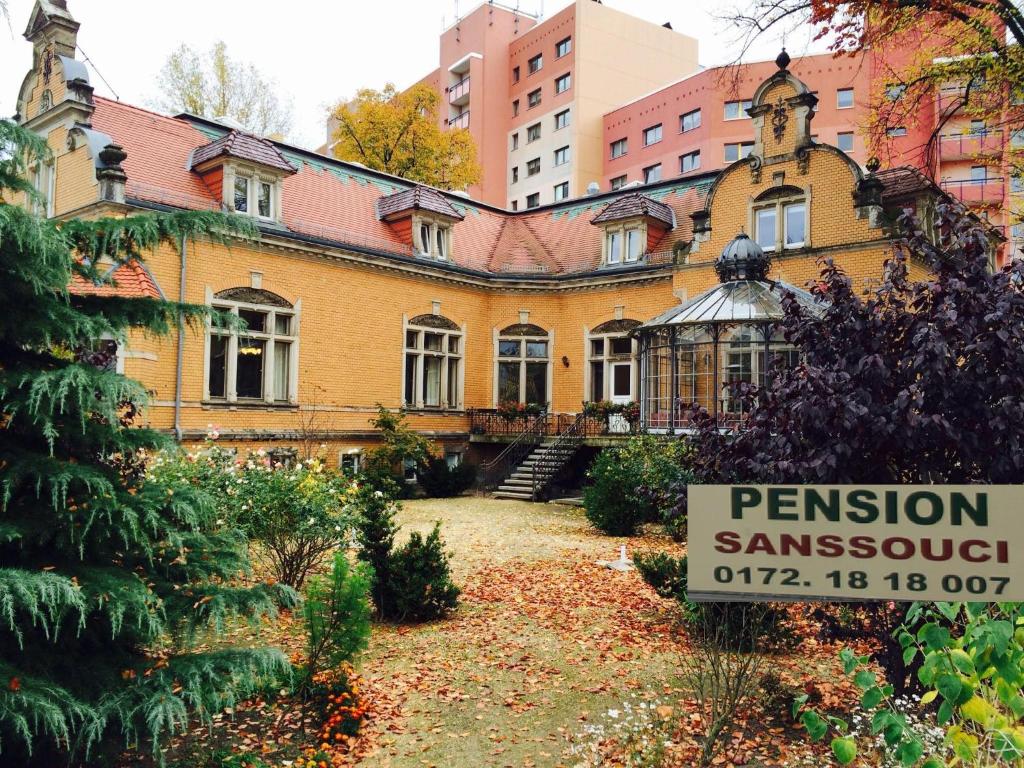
399, 444
421, 582
637, 484
375, 531
439, 481
411, 582
741, 625
337, 614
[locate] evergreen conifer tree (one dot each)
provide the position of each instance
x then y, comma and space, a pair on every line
105, 576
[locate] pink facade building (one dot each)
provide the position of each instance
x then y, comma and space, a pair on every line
593, 99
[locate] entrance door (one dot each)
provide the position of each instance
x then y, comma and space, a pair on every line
621, 375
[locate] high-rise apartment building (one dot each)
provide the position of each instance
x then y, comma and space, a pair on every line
533, 93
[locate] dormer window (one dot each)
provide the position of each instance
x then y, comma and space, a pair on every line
254, 195
633, 224
433, 239
424, 217
251, 170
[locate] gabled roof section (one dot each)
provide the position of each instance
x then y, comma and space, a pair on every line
244, 146
417, 198
902, 182
130, 280
634, 205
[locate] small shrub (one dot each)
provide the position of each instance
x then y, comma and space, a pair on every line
666, 574
408, 583
440, 481
399, 444
638, 483
421, 583
611, 502
337, 614
375, 532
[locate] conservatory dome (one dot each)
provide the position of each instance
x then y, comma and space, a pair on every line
698, 352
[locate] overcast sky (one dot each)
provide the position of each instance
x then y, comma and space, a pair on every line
318, 52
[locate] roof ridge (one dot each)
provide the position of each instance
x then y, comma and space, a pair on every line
143, 110
494, 248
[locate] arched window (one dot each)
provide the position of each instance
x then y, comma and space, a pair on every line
257, 363
523, 365
611, 362
433, 372
779, 218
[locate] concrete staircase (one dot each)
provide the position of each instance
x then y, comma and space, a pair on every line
544, 461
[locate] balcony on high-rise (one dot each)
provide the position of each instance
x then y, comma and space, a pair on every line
965, 146
460, 121
458, 93
987, 191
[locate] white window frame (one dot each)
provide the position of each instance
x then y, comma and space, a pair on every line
529, 167
44, 180
694, 157
564, 154
355, 456
419, 353
839, 102
839, 139
561, 191
623, 233
695, 123
624, 143
523, 358
530, 102
563, 83
530, 68
652, 170
740, 147
780, 208
439, 238
567, 42
741, 105
253, 178
566, 113
650, 137
269, 336
533, 133
607, 357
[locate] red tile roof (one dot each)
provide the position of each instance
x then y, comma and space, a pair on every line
338, 202
130, 281
903, 182
418, 198
244, 146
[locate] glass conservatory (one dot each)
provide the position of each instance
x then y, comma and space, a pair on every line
697, 352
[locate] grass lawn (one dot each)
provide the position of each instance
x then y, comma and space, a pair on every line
545, 642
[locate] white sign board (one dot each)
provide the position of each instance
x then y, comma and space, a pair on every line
851, 542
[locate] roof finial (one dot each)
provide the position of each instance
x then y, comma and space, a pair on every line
782, 60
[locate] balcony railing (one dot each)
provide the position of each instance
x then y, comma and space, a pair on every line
459, 93
488, 421
977, 191
968, 145
462, 121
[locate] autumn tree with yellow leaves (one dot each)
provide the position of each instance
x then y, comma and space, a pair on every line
400, 134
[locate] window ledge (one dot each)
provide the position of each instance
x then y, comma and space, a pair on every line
434, 410
247, 405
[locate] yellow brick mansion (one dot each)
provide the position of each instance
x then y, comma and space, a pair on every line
363, 288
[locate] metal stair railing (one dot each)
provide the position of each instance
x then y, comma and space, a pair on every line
506, 462
556, 455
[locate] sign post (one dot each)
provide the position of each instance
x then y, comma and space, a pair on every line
851, 542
